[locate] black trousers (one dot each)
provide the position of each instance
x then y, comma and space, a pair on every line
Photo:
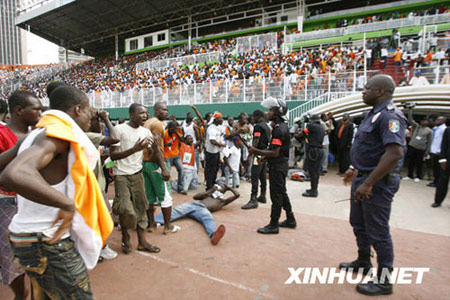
278, 193
436, 167
343, 159
259, 174
314, 157
442, 185
211, 168
415, 162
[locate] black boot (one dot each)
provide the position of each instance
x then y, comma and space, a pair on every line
363, 261
262, 198
310, 193
381, 284
272, 228
253, 203
289, 222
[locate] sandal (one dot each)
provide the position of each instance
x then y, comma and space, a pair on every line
152, 249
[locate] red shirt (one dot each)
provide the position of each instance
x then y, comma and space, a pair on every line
7, 140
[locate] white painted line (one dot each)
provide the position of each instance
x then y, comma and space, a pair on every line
236, 285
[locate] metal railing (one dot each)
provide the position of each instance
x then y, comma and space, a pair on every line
248, 43
30, 76
376, 26
175, 62
433, 74
290, 87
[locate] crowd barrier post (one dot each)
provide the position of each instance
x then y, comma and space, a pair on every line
244, 91
306, 86
227, 86
210, 92
195, 93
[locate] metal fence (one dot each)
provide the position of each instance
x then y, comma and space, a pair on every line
254, 89
159, 64
32, 76
248, 43
376, 26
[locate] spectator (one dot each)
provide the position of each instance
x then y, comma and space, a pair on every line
232, 159
172, 139
419, 147
418, 79
187, 154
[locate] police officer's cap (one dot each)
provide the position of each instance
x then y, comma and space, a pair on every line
274, 102
315, 117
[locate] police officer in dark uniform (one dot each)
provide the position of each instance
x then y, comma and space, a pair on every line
313, 136
277, 156
261, 135
375, 155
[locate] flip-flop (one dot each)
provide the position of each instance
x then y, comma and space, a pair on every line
174, 229
153, 249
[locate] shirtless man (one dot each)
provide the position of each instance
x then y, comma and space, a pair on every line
156, 172
25, 111
211, 201
37, 168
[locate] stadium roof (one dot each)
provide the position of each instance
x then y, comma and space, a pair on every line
92, 25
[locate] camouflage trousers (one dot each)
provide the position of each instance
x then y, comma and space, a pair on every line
56, 271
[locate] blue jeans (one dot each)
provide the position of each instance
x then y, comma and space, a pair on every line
193, 210
190, 179
235, 178
197, 159
176, 161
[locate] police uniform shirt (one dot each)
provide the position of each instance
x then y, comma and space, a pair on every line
280, 138
384, 125
315, 134
262, 132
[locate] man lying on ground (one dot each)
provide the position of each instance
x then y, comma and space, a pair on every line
210, 201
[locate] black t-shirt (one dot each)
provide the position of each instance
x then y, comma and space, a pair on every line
280, 138
262, 131
315, 134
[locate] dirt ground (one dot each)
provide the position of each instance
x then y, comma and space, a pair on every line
247, 265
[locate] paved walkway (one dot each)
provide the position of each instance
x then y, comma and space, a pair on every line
246, 265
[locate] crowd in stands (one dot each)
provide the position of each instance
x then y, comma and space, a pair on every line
345, 22
107, 74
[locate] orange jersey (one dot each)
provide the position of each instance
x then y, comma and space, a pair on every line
172, 150
187, 154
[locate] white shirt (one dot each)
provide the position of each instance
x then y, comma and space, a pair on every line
437, 139
384, 52
34, 217
128, 136
189, 130
216, 133
418, 81
233, 154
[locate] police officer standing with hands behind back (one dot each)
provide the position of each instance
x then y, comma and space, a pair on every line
278, 156
313, 135
375, 155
